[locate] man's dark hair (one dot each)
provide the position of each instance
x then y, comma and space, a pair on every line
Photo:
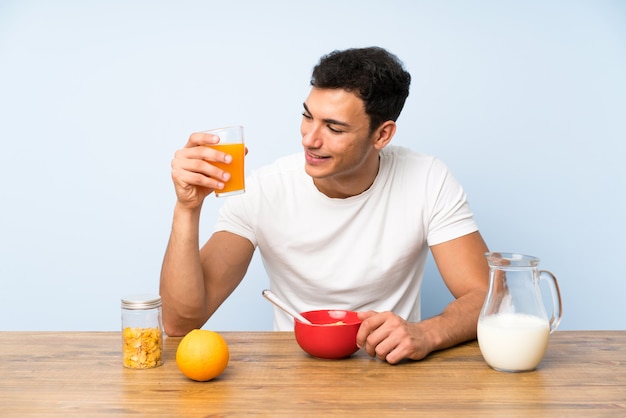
373, 74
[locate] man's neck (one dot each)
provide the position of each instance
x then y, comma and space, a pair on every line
349, 186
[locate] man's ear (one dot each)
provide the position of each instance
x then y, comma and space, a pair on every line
384, 133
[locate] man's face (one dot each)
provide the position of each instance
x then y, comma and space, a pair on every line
336, 135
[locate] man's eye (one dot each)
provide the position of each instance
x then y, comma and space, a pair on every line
306, 116
335, 130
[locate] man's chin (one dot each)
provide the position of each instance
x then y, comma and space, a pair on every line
314, 171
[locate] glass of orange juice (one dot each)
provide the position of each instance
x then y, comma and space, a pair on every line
231, 142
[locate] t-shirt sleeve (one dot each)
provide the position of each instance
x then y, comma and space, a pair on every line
234, 215
450, 214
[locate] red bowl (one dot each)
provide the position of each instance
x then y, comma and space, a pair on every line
332, 334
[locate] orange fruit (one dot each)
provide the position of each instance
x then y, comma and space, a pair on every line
202, 355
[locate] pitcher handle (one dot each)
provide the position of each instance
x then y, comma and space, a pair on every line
557, 311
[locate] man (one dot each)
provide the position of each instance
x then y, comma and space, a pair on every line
346, 224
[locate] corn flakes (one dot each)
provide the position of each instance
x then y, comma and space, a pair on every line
142, 347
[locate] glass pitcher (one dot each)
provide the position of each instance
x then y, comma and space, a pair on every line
513, 326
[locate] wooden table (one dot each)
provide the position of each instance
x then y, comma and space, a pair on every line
43, 374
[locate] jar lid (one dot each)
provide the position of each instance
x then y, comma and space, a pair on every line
141, 301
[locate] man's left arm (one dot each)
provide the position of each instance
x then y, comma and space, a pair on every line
464, 269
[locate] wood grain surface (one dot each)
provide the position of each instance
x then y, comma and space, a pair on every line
81, 374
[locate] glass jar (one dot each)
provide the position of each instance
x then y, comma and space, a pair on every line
142, 332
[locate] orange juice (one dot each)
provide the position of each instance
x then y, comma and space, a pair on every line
235, 184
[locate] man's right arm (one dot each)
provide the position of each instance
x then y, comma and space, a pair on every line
194, 281
182, 281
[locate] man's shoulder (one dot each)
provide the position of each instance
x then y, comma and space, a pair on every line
286, 164
410, 157
281, 175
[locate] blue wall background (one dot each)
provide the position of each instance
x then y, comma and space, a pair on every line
524, 100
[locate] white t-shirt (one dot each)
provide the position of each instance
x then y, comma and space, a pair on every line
359, 253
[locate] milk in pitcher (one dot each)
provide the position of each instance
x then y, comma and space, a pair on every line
513, 341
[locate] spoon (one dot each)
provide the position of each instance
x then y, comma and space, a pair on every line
271, 296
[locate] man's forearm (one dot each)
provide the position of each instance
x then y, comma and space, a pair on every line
457, 323
182, 282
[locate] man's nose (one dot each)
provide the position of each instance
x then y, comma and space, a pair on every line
311, 137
